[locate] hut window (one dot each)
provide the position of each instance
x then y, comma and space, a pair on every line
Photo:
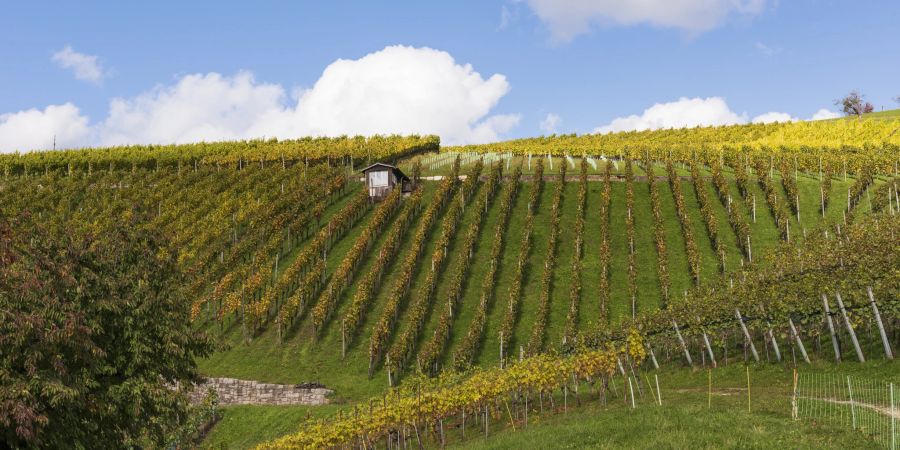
378, 179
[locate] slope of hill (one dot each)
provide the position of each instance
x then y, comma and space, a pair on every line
290, 267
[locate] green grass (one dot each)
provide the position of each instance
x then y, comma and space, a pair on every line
531, 287
649, 293
689, 418
589, 311
490, 349
245, 426
619, 298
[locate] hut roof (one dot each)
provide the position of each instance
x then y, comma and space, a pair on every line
397, 172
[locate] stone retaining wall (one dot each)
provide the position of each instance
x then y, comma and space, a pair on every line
247, 392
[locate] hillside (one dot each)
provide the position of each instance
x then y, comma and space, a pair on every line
299, 277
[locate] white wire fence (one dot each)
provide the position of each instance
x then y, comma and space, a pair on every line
868, 406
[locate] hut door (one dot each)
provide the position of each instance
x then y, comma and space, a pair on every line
378, 183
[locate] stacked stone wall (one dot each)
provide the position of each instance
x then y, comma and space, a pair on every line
247, 392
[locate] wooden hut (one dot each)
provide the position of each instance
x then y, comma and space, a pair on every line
382, 178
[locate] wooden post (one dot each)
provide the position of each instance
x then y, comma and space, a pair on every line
884, 338
687, 354
501, 349
834, 338
754, 208
797, 339
740, 319
794, 414
859, 353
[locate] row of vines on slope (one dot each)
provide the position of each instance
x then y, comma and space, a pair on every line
434, 348
381, 333
539, 330
417, 313
465, 355
511, 315
571, 329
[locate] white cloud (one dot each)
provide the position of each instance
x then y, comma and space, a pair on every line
505, 18
692, 112
36, 129
395, 90
569, 18
766, 50
773, 117
549, 124
85, 67
198, 107
683, 113
404, 90
824, 114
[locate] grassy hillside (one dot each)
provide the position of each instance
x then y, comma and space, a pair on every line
305, 357
263, 244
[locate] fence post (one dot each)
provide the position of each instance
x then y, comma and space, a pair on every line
859, 353
834, 339
852, 404
893, 420
794, 414
746, 334
884, 338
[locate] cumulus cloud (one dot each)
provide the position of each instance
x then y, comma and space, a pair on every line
198, 107
773, 117
85, 67
37, 129
693, 112
683, 113
405, 90
824, 114
569, 18
549, 124
395, 90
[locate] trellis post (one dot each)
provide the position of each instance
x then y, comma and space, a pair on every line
687, 354
884, 338
774, 344
859, 353
834, 339
798, 341
740, 319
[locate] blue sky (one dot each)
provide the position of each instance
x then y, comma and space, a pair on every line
585, 62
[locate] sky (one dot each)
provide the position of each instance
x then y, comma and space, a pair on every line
116, 73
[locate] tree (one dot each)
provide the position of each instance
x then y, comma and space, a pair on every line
853, 104
93, 336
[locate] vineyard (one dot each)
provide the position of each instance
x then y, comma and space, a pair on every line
534, 266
